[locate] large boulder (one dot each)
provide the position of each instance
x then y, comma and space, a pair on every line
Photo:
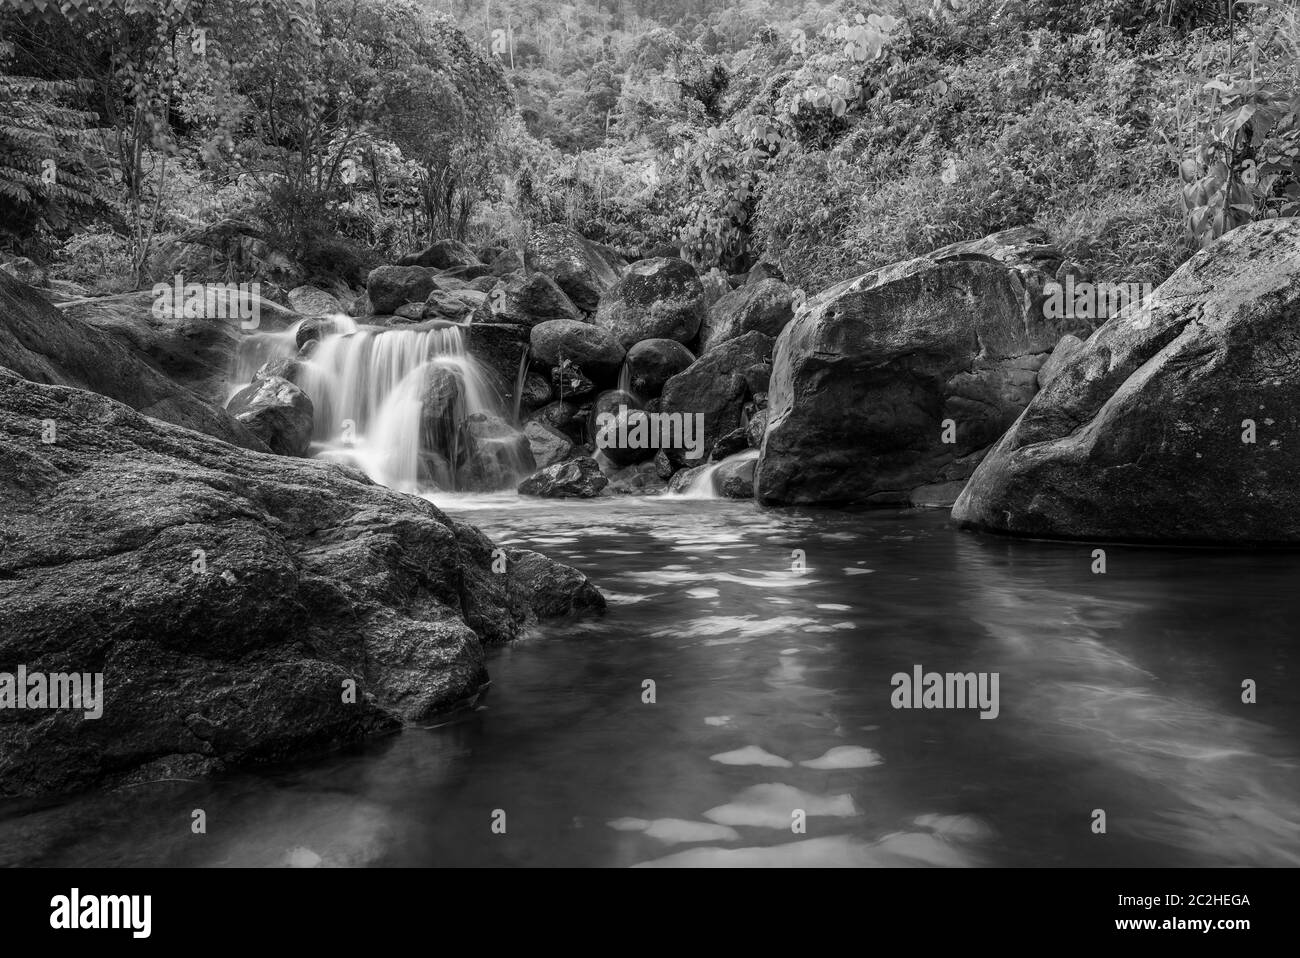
900, 380
715, 388
278, 413
590, 347
526, 302
40, 343
314, 301
652, 362
389, 287
654, 299
582, 268
1173, 422
444, 254
574, 479
241, 607
765, 306
197, 352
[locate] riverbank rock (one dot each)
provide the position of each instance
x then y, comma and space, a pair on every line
654, 299
40, 343
276, 412
1176, 421
764, 306
715, 388
901, 379
574, 479
241, 607
582, 268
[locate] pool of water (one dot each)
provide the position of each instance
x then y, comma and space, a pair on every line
770, 637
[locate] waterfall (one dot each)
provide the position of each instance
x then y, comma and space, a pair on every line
520, 379
625, 378
701, 485
409, 407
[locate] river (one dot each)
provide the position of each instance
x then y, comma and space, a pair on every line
770, 637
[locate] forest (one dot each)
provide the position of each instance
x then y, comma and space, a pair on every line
291, 141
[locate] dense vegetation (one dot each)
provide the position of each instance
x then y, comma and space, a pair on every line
290, 139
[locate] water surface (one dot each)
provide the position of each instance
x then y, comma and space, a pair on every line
771, 637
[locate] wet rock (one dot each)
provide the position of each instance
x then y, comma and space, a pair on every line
733, 442
618, 425
496, 454
547, 443
757, 426
640, 479
664, 467
571, 382
537, 392
574, 479
278, 413
325, 608
499, 349
547, 588
683, 478
715, 388
735, 477
564, 416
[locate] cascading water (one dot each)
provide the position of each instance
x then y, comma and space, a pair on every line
702, 485
409, 407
